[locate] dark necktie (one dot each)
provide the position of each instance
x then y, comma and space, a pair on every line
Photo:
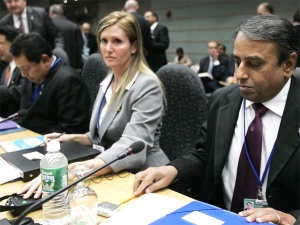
37, 91
21, 24
246, 184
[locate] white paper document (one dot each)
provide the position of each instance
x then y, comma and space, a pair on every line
10, 172
205, 75
33, 155
199, 218
144, 210
11, 146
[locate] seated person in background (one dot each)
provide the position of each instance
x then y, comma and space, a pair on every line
122, 114
89, 41
222, 50
229, 72
11, 80
219, 168
215, 65
55, 96
265, 8
182, 58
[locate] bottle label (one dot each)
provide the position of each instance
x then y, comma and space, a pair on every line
54, 179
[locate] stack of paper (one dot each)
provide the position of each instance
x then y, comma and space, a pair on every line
10, 173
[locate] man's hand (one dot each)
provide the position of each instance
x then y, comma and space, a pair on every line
154, 178
268, 215
31, 187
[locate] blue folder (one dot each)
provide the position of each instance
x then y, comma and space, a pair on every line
9, 126
228, 217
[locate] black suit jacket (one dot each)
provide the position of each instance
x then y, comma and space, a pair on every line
204, 166
63, 105
146, 32
73, 42
160, 42
92, 43
10, 95
218, 73
39, 22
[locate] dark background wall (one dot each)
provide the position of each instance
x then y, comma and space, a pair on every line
191, 23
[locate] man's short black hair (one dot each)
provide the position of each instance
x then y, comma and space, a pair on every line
32, 45
9, 32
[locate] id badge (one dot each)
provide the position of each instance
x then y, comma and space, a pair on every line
254, 203
98, 147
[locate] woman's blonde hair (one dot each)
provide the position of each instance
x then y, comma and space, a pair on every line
128, 23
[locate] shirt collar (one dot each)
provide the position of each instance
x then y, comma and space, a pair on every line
54, 59
108, 78
277, 103
12, 65
153, 26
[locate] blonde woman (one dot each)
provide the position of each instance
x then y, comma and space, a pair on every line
129, 105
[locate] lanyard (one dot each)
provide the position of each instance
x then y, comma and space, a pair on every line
37, 89
259, 181
101, 103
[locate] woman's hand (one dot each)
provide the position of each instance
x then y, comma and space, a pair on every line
58, 136
268, 215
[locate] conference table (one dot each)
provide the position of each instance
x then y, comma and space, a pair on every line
113, 188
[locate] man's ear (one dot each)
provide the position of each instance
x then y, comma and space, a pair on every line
46, 60
289, 65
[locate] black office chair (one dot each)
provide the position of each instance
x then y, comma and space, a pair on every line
93, 72
296, 72
61, 53
186, 109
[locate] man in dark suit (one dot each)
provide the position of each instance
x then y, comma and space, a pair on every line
11, 80
73, 42
90, 45
55, 96
32, 19
215, 65
265, 60
132, 7
156, 57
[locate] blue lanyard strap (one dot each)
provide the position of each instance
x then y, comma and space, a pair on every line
56, 61
260, 182
101, 103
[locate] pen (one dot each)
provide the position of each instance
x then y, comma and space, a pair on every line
55, 137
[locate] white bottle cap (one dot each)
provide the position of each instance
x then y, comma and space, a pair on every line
53, 146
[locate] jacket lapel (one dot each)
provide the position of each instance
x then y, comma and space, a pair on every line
225, 124
10, 20
16, 72
112, 111
27, 100
155, 31
288, 135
